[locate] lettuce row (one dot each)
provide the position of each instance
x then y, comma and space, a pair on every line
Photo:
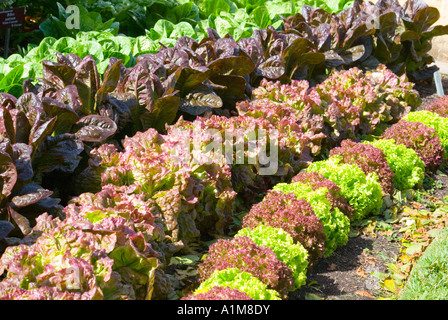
347, 104
362, 189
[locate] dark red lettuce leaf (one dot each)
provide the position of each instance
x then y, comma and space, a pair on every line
8, 175
95, 128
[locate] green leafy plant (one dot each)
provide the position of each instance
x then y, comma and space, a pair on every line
294, 216
236, 279
336, 224
407, 166
363, 192
293, 255
56, 27
12, 82
434, 121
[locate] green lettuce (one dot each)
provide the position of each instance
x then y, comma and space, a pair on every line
295, 256
363, 192
240, 280
336, 223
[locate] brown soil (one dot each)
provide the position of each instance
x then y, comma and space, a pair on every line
346, 275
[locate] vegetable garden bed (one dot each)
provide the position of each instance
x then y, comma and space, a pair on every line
111, 157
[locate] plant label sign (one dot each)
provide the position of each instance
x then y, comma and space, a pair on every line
12, 18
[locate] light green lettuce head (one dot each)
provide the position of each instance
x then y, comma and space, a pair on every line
295, 256
336, 224
237, 279
408, 167
363, 192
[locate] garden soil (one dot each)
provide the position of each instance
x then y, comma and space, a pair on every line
347, 273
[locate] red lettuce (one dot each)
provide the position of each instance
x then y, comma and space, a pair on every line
101, 250
369, 159
244, 254
219, 293
316, 180
358, 103
440, 106
421, 138
347, 104
296, 217
193, 197
247, 175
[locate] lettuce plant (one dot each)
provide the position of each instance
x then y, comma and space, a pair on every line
347, 104
193, 194
407, 166
424, 140
244, 254
248, 179
280, 55
369, 159
296, 217
294, 255
363, 192
275, 102
241, 280
336, 224
316, 180
34, 144
89, 21
361, 103
12, 81
434, 121
440, 106
418, 20
96, 252
219, 293
344, 38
